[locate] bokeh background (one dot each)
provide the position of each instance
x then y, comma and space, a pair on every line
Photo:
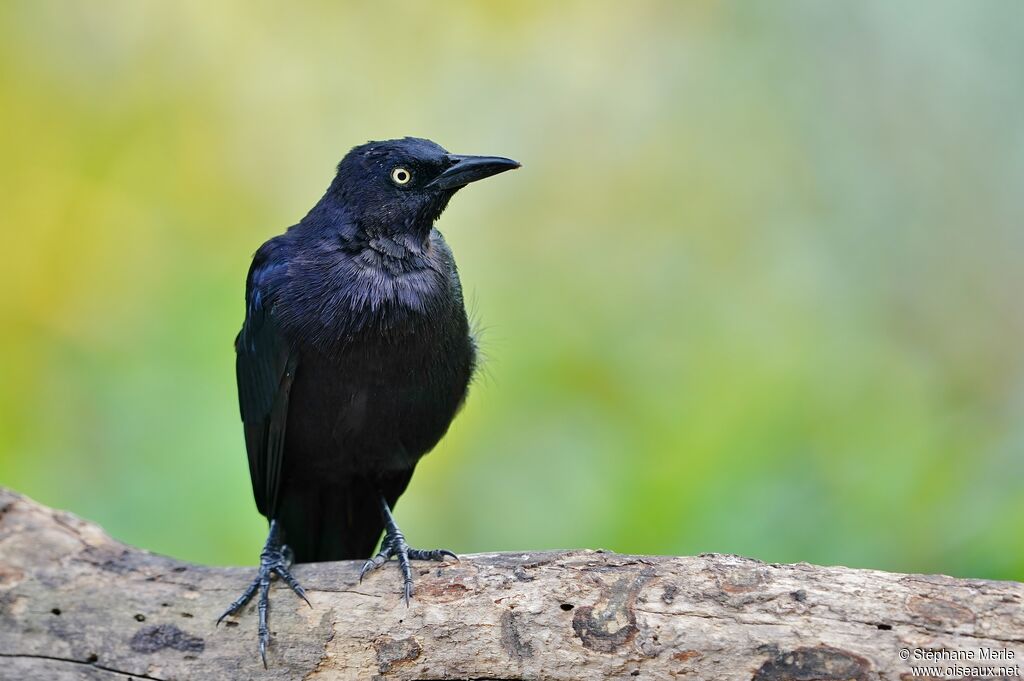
757, 288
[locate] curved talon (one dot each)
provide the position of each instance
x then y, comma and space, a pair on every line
274, 562
240, 601
394, 546
397, 548
435, 554
288, 579
375, 562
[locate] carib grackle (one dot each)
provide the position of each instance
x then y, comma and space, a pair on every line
354, 357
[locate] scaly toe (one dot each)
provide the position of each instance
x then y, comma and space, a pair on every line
434, 554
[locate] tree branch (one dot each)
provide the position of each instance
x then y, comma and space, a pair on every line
76, 604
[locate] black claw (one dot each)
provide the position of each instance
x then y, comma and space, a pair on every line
436, 554
274, 560
394, 546
240, 601
376, 561
288, 579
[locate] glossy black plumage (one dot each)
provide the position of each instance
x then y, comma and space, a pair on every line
355, 353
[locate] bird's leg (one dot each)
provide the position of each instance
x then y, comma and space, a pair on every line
394, 546
275, 560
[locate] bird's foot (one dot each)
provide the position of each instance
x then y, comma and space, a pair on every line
394, 546
275, 561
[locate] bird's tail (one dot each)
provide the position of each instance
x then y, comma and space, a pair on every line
336, 522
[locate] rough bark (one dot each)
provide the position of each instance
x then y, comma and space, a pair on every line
75, 604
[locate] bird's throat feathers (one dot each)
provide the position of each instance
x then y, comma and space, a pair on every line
347, 279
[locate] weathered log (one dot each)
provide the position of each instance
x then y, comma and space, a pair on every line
75, 604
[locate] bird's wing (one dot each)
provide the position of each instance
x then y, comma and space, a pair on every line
265, 368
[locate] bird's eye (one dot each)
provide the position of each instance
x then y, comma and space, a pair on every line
400, 176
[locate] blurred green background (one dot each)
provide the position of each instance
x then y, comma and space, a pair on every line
757, 288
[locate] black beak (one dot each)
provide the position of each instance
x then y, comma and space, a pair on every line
466, 169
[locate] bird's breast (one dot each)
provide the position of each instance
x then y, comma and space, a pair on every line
338, 298
378, 404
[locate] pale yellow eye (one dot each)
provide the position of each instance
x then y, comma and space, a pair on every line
400, 176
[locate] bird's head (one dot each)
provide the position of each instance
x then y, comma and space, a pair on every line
404, 185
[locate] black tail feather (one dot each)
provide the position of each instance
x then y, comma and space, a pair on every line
337, 522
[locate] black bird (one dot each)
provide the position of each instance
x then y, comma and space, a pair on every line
354, 357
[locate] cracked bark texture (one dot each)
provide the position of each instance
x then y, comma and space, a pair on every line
75, 604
